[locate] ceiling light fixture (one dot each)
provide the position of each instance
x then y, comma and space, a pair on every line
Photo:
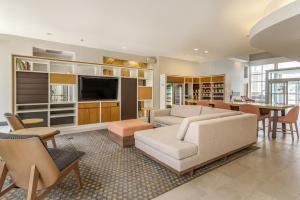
196, 49
123, 47
206, 52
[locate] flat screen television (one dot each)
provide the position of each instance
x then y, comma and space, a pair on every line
97, 88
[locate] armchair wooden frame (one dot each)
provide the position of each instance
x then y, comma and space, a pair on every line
32, 193
37, 174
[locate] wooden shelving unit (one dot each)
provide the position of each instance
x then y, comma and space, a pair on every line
47, 88
195, 88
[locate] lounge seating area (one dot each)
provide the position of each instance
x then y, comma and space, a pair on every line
142, 100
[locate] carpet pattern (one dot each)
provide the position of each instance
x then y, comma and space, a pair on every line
111, 172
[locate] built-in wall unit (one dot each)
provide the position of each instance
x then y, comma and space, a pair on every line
179, 89
70, 93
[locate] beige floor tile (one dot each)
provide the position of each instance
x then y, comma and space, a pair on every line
270, 173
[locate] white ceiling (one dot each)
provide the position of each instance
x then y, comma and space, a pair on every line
279, 32
170, 28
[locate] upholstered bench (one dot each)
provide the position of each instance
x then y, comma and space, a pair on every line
122, 132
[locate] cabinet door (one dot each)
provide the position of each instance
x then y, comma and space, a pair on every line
94, 114
115, 113
129, 98
105, 114
83, 116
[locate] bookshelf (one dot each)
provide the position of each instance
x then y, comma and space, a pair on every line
47, 88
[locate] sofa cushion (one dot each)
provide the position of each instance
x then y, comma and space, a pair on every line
164, 140
185, 110
187, 121
209, 110
168, 120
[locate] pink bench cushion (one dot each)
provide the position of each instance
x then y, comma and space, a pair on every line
126, 128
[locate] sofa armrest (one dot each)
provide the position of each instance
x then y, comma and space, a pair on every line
159, 112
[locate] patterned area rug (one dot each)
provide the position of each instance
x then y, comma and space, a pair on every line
111, 172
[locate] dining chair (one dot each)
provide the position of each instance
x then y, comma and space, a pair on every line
222, 105
248, 108
290, 118
17, 127
203, 103
37, 173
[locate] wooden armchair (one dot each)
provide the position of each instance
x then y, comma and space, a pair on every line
17, 127
32, 166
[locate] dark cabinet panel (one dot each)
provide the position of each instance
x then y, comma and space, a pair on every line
128, 98
32, 87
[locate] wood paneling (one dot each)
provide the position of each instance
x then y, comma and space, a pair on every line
196, 80
141, 74
205, 79
88, 113
125, 72
108, 72
145, 93
105, 114
88, 105
62, 78
175, 79
188, 80
129, 98
115, 113
110, 111
220, 78
125, 63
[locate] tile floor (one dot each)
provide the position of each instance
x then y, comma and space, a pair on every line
270, 173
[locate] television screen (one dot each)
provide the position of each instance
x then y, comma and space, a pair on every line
97, 88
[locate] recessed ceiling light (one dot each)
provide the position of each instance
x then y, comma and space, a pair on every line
196, 49
206, 52
123, 47
49, 33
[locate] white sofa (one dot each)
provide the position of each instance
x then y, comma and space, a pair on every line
176, 114
198, 140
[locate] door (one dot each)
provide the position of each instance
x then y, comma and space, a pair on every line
178, 94
115, 113
293, 90
278, 92
169, 95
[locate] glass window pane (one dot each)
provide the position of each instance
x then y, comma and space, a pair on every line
256, 87
268, 67
288, 64
256, 69
256, 77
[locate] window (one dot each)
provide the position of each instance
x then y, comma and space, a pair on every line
257, 81
291, 64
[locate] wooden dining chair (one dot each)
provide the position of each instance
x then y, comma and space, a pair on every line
17, 127
290, 118
222, 105
248, 108
36, 172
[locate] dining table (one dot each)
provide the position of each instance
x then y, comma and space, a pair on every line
275, 108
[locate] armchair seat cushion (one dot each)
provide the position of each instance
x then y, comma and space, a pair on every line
63, 158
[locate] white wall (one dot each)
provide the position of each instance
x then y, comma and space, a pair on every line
172, 66
233, 70
23, 46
